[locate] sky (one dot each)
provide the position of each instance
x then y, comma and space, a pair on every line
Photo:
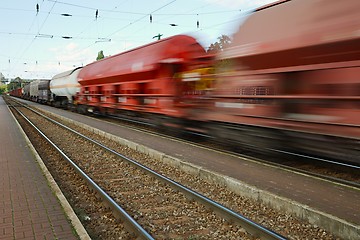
63, 34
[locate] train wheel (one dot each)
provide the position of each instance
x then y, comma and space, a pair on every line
242, 137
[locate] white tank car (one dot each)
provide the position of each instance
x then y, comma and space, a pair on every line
64, 87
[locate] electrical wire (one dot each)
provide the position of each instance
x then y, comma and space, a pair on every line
140, 17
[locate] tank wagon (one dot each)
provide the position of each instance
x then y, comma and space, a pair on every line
64, 87
290, 79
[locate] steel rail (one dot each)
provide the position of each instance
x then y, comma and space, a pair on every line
318, 159
252, 227
118, 211
252, 158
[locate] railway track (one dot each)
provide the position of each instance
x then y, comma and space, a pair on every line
328, 169
149, 204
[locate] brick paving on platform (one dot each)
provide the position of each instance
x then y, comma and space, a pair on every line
28, 207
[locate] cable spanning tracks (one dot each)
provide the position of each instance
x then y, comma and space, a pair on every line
148, 203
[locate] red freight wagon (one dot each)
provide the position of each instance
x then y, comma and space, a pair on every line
291, 79
143, 80
18, 92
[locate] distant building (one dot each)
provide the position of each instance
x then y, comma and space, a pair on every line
2, 79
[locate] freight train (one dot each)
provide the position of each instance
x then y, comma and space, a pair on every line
289, 80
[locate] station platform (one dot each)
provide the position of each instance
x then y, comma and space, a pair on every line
30, 207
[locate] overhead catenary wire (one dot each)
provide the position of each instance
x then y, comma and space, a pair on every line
129, 33
143, 13
131, 23
97, 15
39, 29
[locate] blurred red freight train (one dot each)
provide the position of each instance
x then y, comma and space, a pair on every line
142, 81
291, 79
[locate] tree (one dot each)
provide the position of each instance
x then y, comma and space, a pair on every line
100, 55
214, 47
15, 83
223, 41
3, 88
2, 78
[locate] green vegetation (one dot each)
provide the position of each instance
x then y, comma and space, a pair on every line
223, 42
100, 55
15, 83
3, 88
